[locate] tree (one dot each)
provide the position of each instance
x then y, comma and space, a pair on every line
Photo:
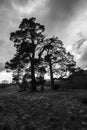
53, 53
28, 40
4, 82
74, 71
57, 58
34, 53
68, 65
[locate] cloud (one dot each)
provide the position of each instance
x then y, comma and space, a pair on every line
83, 58
64, 18
2, 68
6, 50
2, 42
79, 43
60, 13
79, 49
61, 9
5, 76
81, 40
21, 2
28, 7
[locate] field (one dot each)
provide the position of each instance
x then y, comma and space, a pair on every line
47, 110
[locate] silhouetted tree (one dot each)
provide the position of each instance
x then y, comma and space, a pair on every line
28, 40
34, 53
57, 58
53, 48
75, 72
16, 65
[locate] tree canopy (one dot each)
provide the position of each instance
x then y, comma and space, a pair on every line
36, 54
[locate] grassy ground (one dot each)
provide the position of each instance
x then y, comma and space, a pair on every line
48, 110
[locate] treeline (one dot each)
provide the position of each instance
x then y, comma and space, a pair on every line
37, 55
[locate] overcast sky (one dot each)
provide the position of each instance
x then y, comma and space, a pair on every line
66, 19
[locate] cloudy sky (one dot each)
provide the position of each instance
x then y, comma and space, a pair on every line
66, 19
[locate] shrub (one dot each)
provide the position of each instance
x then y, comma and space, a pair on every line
56, 86
3, 85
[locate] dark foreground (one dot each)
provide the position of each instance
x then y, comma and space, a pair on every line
48, 110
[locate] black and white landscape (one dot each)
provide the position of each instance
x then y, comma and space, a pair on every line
43, 65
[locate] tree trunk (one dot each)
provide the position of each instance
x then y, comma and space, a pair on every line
33, 81
51, 75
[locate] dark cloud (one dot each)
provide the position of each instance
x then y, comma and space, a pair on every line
6, 3
56, 15
21, 2
59, 15
61, 10
1, 2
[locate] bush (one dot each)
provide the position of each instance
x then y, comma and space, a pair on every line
24, 86
40, 81
56, 86
3, 85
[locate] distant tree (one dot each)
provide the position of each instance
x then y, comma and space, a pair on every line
28, 41
4, 82
75, 72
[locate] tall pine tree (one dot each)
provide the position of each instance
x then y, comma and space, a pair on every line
28, 40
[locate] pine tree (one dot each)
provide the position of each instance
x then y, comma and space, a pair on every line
57, 58
28, 40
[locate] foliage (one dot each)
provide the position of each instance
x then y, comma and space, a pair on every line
28, 40
37, 55
60, 61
